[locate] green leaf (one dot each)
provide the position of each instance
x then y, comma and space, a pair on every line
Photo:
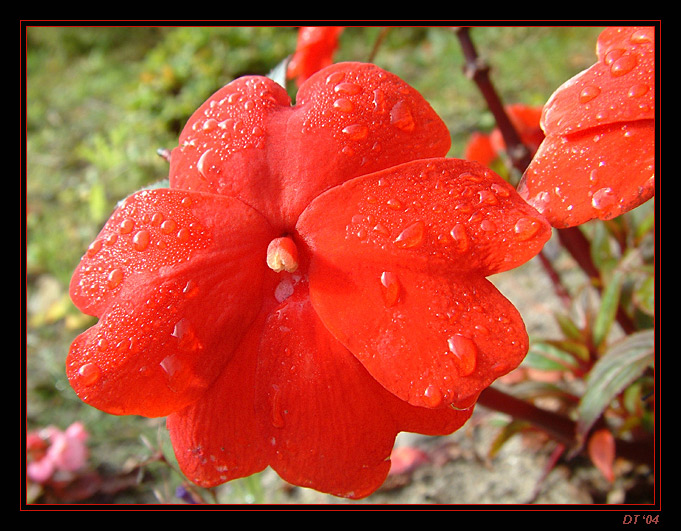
545, 356
608, 309
622, 363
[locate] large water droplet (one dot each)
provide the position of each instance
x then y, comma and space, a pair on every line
89, 374
391, 288
141, 240
115, 278
458, 234
588, 93
466, 351
526, 227
401, 117
356, 131
432, 396
411, 236
277, 414
603, 198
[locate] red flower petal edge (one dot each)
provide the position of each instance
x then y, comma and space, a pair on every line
598, 158
397, 274
161, 259
314, 51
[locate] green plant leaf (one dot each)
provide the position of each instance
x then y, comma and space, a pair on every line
545, 356
608, 309
622, 363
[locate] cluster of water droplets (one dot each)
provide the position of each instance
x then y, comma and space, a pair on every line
360, 112
449, 217
157, 326
232, 121
136, 239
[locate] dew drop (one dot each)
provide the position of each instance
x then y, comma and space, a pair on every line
588, 93
168, 226
347, 88
115, 278
94, 248
432, 396
277, 416
391, 288
486, 197
623, 65
411, 236
603, 198
356, 131
638, 90
344, 105
183, 235
401, 117
89, 374
458, 234
126, 226
466, 351
141, 240
526, 227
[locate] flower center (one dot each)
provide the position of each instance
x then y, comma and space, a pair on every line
282, 255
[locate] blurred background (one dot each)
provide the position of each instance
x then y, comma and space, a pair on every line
101, 102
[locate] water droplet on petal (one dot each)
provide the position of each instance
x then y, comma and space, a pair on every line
603, 198
391, 288
433, 396
401, 117
347, 88
526, 227
412, 236
89, 374
466, 351
588, 93
458, 234
356, 131
115, 278
344, 105
277, 416
126, 226
141, 240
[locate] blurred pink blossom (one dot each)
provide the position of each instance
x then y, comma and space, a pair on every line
54, 454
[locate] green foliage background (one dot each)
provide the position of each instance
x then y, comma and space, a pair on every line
100, 101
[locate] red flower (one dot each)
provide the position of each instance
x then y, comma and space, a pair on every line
312, 283
525, 119
314, 51
598, 159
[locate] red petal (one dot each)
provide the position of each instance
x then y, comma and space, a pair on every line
601, 449
599, 155
440, 214
218, 438
397, 275
331, 425
163, 258
620, 87
349, 119
435, 341
600, 174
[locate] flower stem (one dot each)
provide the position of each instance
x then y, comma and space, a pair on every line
559, 427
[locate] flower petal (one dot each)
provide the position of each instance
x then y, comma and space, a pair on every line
331, 425
444, 215
620, 87
431, 340
599, 174
349, 119
598, 158
397, 275
218, 438
163, 258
